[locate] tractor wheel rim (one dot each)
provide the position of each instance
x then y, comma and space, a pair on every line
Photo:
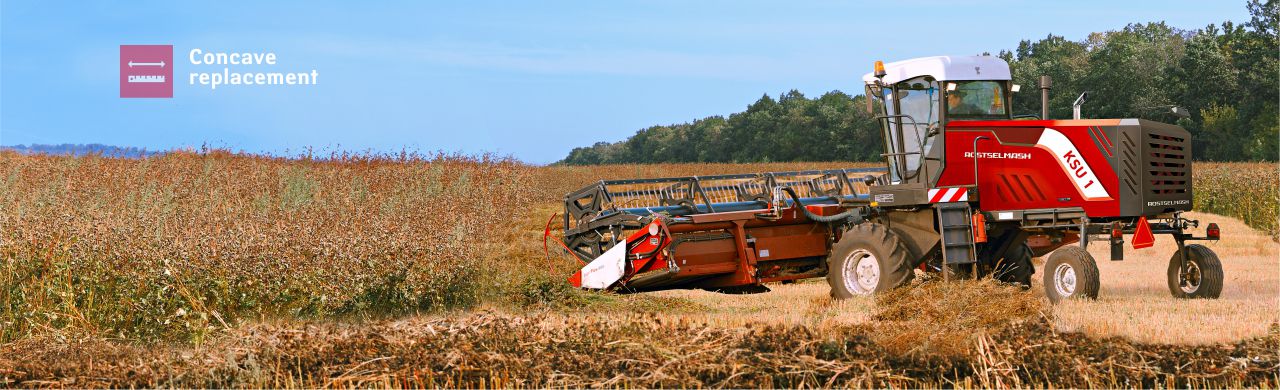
1190, 278
861, 272
1064, 280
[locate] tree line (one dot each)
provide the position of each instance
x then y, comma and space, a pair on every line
82, 150
1224, 75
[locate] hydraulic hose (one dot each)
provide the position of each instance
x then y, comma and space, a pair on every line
814, 217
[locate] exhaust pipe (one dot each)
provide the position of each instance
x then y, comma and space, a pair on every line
1045, 83
1075, 107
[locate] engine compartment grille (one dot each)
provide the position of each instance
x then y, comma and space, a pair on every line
1168, 158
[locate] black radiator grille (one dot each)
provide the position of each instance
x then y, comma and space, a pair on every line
1168, 157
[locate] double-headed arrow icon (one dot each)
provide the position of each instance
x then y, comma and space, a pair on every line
132, 64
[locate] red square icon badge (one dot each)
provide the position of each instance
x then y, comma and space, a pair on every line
146, 71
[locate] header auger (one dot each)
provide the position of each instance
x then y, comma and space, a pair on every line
966, 191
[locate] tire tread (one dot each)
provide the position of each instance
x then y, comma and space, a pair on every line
896, 270
1210, 273
1087, 276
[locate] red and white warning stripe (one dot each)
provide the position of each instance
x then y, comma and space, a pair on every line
955, 194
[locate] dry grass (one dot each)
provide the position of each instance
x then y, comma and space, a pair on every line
174, 247
220, 270
802, 303
1004, 344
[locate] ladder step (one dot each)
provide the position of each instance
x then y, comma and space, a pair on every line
957, 233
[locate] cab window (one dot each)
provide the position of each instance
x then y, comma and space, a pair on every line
918, 98
976, 99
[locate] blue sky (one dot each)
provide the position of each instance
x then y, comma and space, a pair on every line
526, 79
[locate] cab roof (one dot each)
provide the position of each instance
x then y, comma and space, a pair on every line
945, 68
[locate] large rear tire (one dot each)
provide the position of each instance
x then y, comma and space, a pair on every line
1202, 277
868, 259
1070, 273
1016, 267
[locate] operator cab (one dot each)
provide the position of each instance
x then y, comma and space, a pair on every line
919, 96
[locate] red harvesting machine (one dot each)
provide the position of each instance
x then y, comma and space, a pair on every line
967, 190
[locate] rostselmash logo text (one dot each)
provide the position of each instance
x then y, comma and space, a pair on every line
1000, 155
228, 76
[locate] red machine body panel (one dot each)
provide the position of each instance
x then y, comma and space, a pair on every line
1034, 164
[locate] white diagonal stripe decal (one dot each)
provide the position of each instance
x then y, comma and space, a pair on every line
1073, 164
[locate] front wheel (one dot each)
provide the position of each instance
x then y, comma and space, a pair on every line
1070, 273
868, 259
1200, 278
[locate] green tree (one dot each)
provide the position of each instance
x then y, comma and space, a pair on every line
1227, 76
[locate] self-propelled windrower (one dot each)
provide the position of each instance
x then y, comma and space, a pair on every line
966, 190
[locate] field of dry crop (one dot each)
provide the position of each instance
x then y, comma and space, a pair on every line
223, 270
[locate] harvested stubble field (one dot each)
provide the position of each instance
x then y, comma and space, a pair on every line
223, 270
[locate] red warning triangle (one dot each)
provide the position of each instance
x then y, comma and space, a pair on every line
1142, 238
